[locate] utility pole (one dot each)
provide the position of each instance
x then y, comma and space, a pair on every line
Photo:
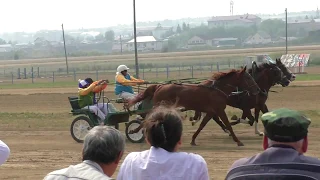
135, 38
121, 44
286, 31
65, 49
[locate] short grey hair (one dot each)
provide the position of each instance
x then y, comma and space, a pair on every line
103, 144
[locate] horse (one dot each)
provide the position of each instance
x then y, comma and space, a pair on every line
208, 99
266, 75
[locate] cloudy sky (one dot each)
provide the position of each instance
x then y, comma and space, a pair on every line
33, 15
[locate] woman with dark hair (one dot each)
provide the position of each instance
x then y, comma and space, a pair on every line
163, 131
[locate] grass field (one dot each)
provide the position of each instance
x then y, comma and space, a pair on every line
35, 123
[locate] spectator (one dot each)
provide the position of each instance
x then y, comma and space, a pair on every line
285, 141
102, 150
4, 152
163, 131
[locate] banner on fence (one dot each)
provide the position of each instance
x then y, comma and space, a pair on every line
295, 60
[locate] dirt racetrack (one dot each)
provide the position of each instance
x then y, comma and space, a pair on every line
40, 140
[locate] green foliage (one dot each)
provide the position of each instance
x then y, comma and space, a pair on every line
109, 35
2, 41
274, 27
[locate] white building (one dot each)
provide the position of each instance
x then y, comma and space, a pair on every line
146, 43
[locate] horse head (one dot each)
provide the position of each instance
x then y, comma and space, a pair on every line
275, 74
285, 70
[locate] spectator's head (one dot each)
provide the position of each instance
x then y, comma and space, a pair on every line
85, 83
287, 127
164, 128
105, 146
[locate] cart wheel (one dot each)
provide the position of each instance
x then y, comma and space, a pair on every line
80, 127
136, 137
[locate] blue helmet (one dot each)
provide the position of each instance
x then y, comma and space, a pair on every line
85, 82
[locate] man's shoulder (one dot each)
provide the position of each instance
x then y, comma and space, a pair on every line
79, 171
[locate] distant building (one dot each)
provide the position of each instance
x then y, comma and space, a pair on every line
246, 20
146, 43
6, 48
258, 38
201, 40
155, 31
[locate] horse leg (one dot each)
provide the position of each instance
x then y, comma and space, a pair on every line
264, 109
256, 116
224, 118
223, 127
196, 118
204, 122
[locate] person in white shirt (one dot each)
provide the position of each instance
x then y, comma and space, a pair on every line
4, 152
103, 148
163, 131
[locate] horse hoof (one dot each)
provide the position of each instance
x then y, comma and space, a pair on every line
193, 144
261, 134
240, 144
192, 123
251, 123
234, 117
190, 119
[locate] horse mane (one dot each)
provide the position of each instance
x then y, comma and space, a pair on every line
220, 75
262, 66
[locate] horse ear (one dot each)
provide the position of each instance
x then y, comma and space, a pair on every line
244, 69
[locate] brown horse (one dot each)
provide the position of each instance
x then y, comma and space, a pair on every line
266, 76
208, 99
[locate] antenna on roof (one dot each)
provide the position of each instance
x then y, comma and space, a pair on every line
231, 7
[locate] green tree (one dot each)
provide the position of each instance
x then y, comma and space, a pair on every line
273, 27
99, 37
109, 35
184, 27
2, 41
179, 29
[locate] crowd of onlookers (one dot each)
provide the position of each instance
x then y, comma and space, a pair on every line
285, 142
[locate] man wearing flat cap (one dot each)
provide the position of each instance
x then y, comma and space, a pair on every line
284, 142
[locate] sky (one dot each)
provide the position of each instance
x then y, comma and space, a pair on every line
34, 15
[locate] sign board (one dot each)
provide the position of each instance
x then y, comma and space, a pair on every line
295, 60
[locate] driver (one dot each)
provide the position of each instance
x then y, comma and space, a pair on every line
87, 90
124, 83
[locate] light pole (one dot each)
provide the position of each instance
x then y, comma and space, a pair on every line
286, 31
135, 38
65, 49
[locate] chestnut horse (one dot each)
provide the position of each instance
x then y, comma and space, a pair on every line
266, 76
209, 99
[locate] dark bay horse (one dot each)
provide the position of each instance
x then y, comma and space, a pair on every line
208, 99
266, 75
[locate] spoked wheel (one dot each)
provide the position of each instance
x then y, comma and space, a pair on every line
80, 127
137, 137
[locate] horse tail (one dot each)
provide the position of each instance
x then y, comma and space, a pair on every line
148, 93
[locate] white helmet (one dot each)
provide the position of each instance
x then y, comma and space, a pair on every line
122, 68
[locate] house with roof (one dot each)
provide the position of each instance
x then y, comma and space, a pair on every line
260, 37
155, 31
146, 43
245, 20
199, 40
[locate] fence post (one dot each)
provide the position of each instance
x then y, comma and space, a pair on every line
12, 78
218, 67
74, 75
167, 71
200, 68
38, 72
192, 71
32, 74
18, 73
53, 77
142, 72
97, 75
229, 61
157, 72
211, 68
179, 70
25, 73
234, 64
